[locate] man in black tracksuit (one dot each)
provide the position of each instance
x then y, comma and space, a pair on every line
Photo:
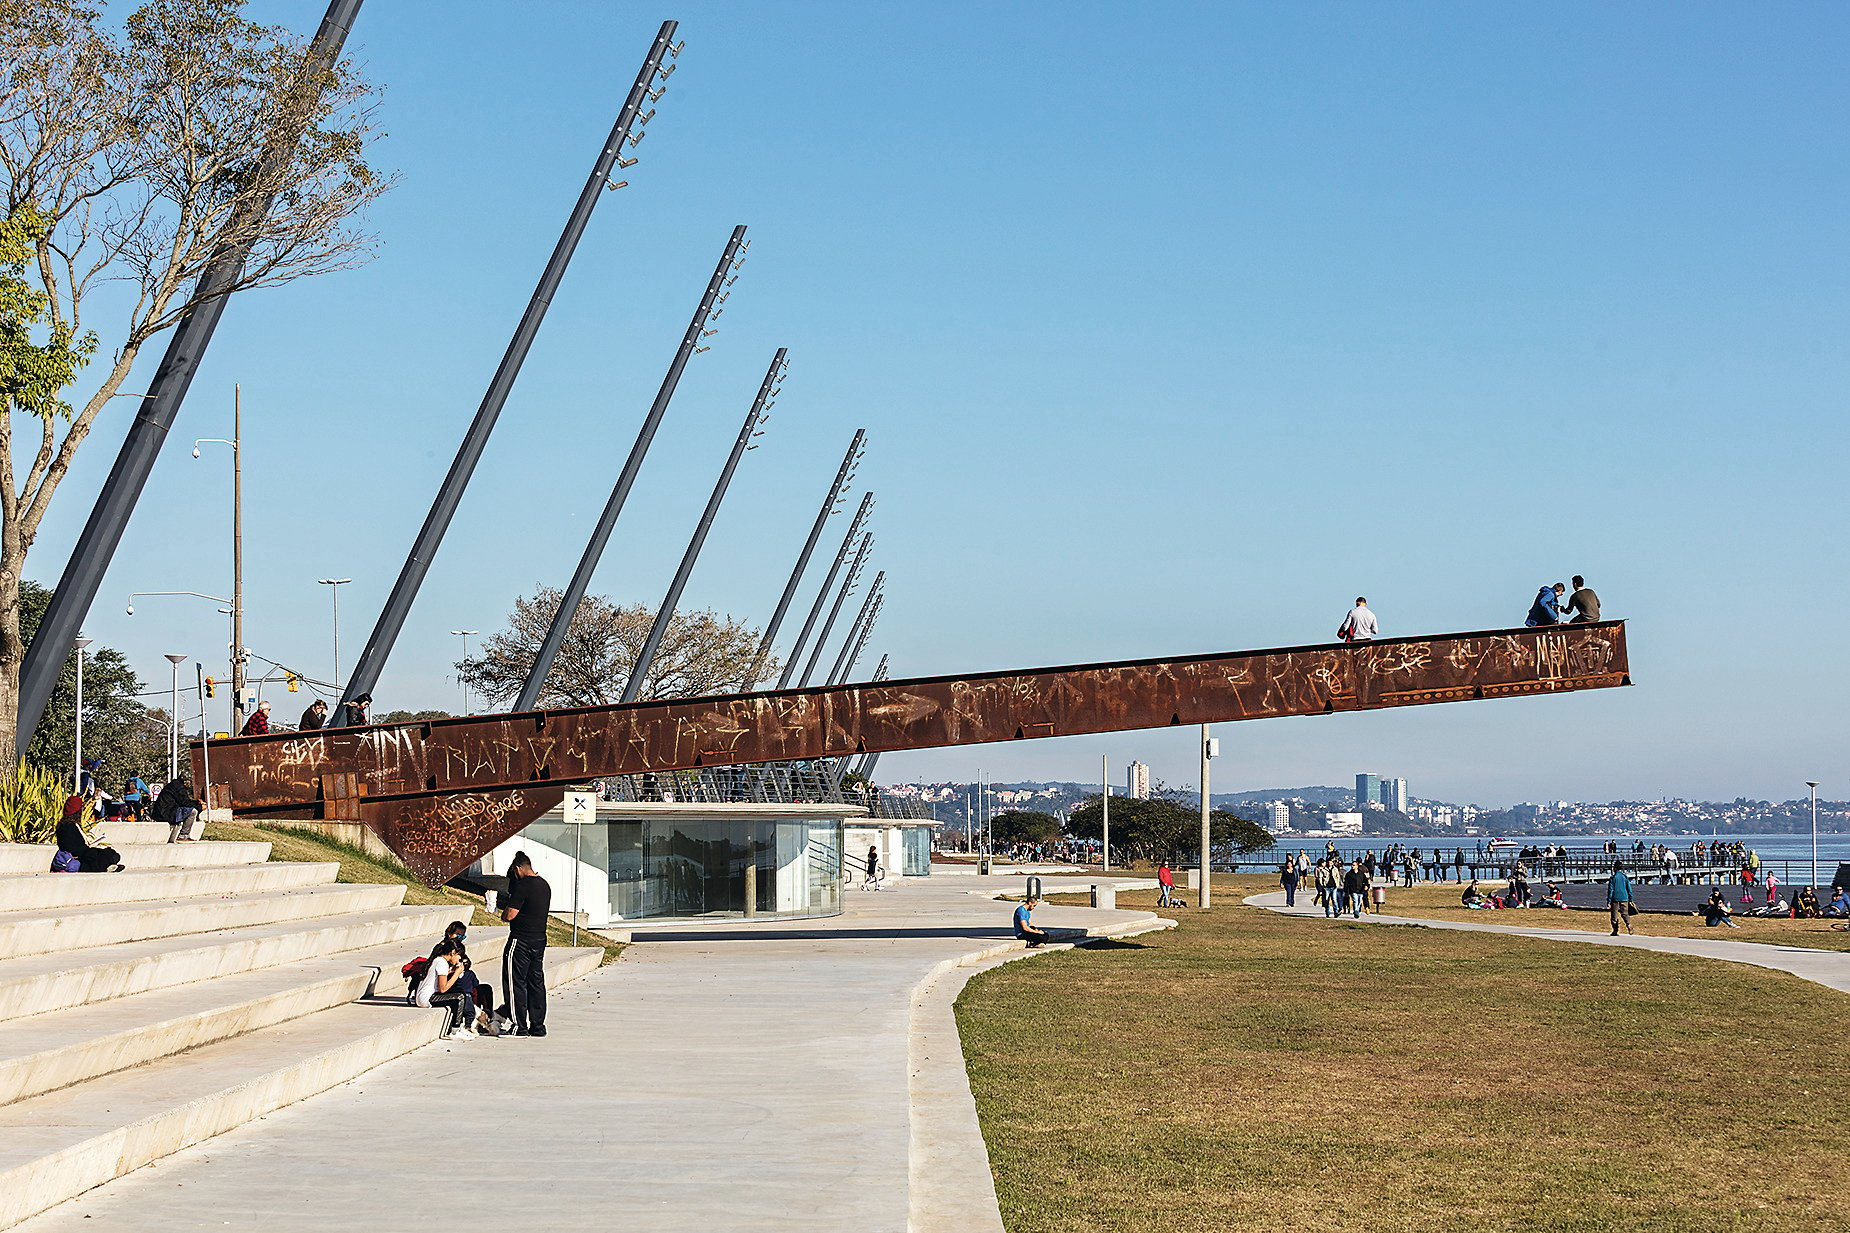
523, 965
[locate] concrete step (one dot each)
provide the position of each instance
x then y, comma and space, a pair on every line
38, 984
45, 1052
117, 831
38, 932
22, 892
36, 857
59, 1144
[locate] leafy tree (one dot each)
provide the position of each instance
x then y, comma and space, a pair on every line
701, 653
128, 737
1163, 827
409, 717
1024, 826
138, 157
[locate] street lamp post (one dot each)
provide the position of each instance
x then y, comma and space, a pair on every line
237, 552
1104, 808
465, 635
1209, 747
1813, 785
173, 717
334, 585
82, 642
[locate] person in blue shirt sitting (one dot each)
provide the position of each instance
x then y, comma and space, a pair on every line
1024, 928
1546, 610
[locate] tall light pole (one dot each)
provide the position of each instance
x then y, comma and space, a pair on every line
1104, 804
1209, 747
465, 635
1810, 784
173, 716
237, 552
83, 642
334, 585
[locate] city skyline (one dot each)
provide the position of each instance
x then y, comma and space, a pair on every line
1556, 273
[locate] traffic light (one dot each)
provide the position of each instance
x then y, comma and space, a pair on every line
295, 682
209, 684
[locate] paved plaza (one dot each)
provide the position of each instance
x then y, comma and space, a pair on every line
777, 1075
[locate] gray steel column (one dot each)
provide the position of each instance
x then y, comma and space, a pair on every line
842, 477
856, 641
663, 615
847, 588
366, 671
102, 534
607, 521
822, 596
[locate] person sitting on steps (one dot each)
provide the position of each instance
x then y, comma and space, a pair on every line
1026, 929
71, 839
479, 994
442, 986
177, 807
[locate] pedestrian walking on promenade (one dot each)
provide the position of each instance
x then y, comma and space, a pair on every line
1355, 889
1583, 603
1326, 888
1619, 900
1166, 886
1458, 865
1359, 625
1288, 878
523, 963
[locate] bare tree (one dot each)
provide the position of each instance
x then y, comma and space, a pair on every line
702, 653
132, 158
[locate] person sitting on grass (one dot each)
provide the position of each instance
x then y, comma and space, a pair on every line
442, 986
1716, 911
1840, 903
1808, 904
1026, 929
1473, 898
1552, 899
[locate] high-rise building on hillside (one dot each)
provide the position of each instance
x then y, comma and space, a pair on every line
1394, 794
1279, 815
1137, 781
1368, 792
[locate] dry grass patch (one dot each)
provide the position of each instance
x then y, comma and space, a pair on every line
1252, 1071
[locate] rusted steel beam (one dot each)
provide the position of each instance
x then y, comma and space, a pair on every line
442, 793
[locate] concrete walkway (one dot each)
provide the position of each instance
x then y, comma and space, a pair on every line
1830, 968
715, 1078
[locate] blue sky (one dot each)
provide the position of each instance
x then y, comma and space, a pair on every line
1174, 327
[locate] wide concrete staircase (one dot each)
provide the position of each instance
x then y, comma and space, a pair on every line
202, 987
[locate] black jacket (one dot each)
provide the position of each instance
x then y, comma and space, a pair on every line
174, 797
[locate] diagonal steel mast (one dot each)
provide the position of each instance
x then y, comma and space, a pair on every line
847, 589
767, 393
398, 605
102, 534
842, 478
828, 583
856, 641
723, 276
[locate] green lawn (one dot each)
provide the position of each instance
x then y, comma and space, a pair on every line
1252, 1071
291, 844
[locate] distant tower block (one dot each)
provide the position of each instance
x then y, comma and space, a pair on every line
1368, 792
1279, 815
1394, 794
1137, 781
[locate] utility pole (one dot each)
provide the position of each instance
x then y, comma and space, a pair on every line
102, 534
1209, 747
1104, 804
847, 588
449, 495
767, 393
828, 583
842, 478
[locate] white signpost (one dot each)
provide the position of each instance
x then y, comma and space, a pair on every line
580, 809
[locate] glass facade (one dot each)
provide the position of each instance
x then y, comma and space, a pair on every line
694, 867
917, 841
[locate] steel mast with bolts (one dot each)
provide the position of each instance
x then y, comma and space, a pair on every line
449, 495
724, 275
829, 505
828, 584
102, 534
847, 589
767, 394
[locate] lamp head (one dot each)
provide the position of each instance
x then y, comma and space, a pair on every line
131, 609
195, 451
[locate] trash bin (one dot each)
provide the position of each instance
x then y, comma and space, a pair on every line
1377, 895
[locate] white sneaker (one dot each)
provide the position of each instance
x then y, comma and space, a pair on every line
461, 1033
